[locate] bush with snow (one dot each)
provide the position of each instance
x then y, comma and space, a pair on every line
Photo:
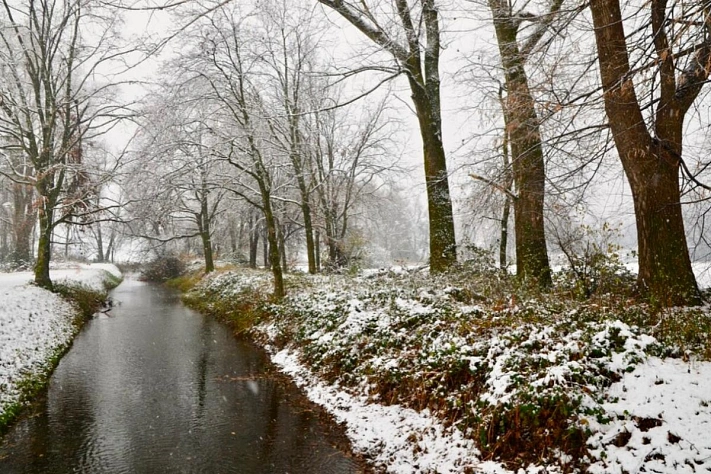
526, 377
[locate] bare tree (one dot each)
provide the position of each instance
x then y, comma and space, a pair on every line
289, 59
349, 155
50, 105
411, 35
679, 36
226, 64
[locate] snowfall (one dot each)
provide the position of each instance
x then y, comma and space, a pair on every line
35, 323
661, 409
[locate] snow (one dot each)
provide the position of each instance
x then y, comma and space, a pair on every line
397, 439
665, 408
677, 393
338, 338
35, 323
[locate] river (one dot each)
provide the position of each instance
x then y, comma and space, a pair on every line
154, 387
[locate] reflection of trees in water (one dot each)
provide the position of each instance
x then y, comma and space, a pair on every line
201, 373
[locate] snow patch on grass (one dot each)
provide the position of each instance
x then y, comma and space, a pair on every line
35, 324
396, 439
660, 419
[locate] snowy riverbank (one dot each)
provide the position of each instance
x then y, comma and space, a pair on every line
449, 376
36, 325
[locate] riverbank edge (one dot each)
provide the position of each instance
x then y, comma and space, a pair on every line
566, 355
86, 301
240, 315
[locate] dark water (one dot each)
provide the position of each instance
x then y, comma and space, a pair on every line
157, 388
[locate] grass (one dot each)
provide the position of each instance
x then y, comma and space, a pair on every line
241, 308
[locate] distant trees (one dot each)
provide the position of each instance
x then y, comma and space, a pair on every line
271, 134
177, 179
19, 214
349, 154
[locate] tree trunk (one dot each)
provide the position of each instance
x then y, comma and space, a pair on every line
282, 249
665, 270
651, 164
233, 235
23, 241
419, 57
508, 182
205, 235
443, 249
265, 250
504, 238
110, 248
426, 96
99, 244
44, 249
317, 250
524, 136
310, 245
253, 242
274, 257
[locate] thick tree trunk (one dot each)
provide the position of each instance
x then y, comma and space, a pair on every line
524, 137
650, 163
44, 250
419, 57
207, 251
665, 271
443, 248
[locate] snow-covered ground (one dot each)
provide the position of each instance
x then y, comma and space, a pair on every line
642, 413
35, 323
660, 420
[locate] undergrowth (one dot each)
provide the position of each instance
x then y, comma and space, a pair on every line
240, 306
523, 373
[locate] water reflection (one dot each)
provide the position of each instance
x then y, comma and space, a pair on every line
156, 388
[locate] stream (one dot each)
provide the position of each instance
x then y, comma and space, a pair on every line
154, 387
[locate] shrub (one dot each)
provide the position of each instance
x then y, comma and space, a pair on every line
163, 268
86, 299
